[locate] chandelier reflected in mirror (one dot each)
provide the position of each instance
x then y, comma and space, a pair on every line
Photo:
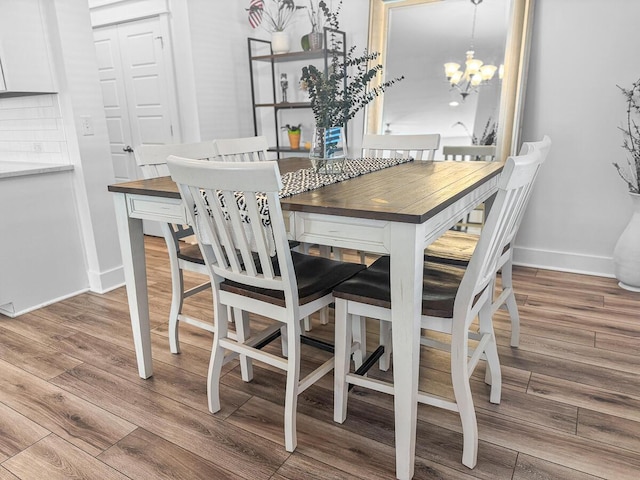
476, 72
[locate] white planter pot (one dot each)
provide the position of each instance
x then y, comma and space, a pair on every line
280, 42
626, 254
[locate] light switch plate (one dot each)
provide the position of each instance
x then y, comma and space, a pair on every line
86, 125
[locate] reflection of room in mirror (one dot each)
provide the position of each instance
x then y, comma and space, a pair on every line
417, 49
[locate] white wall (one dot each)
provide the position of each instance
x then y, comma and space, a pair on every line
40, 246
59, 230
80, 95
218, 36
581, 49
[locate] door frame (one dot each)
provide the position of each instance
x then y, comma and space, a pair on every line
106, 13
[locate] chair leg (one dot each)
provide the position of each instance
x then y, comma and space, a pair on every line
493, 374
243, 331
510, 302
307, 324
342, 353
386, 341
217, 360
177, 290
464, 400
359, 335
293, 382
284, 340
324, 315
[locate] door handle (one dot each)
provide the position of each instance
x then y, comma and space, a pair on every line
127, 149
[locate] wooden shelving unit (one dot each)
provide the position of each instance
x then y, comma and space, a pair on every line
254, 44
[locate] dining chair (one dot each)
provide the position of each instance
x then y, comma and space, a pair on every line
244, 149
452, 298
254, 149
467, 153
242, 234
456, 248
185, 255
152, 160
419, 147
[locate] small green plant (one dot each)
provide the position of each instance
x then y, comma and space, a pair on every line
345, 89
631, 139
291, 128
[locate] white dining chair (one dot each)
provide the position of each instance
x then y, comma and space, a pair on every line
453, 297
418, 147
243, 149
244, 243
152, 160
186, 255
456, 248
469, 153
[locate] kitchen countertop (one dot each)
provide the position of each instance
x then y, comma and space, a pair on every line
17, 169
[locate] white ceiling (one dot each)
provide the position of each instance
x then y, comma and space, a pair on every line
421, 39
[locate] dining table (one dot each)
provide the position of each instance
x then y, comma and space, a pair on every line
396, 211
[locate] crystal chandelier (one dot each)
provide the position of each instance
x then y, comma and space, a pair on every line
476, 72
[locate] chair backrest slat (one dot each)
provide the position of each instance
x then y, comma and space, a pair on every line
469, 152
419, 147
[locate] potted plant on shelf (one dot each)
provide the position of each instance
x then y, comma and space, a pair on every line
274, 16
337, 95
313, 40
626, 254
294, 133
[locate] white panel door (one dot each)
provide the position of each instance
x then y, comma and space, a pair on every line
114, 98
137, 88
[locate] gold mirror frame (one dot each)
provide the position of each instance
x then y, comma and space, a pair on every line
515, 68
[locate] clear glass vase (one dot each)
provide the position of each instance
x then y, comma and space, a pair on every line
328, 150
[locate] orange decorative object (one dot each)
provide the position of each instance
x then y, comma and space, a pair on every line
294, 140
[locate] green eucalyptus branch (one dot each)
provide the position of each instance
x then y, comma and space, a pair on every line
631, 138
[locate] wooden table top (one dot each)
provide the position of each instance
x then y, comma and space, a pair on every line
410, 192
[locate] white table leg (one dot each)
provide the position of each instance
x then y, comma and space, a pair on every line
406, 300
135, 275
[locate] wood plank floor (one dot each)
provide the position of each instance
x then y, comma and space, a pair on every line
72, 404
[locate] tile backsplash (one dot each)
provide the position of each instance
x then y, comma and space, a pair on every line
31, 130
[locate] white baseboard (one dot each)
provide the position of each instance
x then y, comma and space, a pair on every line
10, 311
563, 261
103, 282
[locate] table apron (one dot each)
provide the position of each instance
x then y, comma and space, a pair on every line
445, 219
169, 210
343, 232
374, 235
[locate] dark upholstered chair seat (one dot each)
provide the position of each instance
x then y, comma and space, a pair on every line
316, 276
191, 253
372, 286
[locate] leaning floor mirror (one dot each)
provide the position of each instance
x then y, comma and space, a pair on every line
465, 67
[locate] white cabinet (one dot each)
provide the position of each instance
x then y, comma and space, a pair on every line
25, 66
